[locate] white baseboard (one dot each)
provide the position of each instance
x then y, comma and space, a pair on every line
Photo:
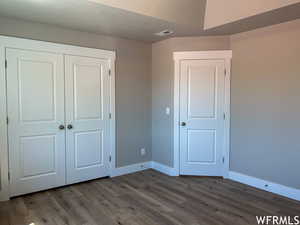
279, 189
130, 169
164, 169
143, 166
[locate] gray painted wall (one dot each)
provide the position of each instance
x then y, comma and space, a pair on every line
133, 81
265, 100
265, 94
265, 105
162, 88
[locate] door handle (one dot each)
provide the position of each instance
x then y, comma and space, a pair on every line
61, 127
183, 124
70, 126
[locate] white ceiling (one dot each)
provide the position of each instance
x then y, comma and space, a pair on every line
188, 12
93, 17
138, 19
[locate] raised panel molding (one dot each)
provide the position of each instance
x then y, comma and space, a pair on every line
206, 93
88, 92
94, 148
207, 138
44, 102
43, 150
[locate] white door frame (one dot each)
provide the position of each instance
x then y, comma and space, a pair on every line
201, 55
20, 43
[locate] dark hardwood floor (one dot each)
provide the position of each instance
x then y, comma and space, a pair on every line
147, 198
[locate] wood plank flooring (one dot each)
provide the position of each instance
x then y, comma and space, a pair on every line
147, 198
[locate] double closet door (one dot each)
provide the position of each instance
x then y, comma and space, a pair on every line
58, 111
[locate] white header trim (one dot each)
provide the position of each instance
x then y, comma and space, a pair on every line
45, 46
227, 54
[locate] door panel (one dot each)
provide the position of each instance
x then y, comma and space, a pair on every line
88, 149
44, 159
30, 74
201, 108
201, 146
35, 86
201, 98
87, 110
88, 92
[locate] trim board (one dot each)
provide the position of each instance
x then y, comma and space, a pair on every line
269, 186
164, 169
143, 166
119, 171
241, 178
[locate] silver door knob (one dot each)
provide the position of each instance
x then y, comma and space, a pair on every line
61, 127
70, 126
183, 124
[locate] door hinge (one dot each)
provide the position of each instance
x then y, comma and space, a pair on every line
225, 72
109, 72
109, 115
8, 175
5, 64
110, 158
7, 120
224, 116
223, 159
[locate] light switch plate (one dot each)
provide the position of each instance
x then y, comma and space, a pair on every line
167, 111
143, 151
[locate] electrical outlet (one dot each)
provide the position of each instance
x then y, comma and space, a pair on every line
143, 151
168, 111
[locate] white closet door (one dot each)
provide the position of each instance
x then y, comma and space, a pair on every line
35, 86
87, 118
201, 114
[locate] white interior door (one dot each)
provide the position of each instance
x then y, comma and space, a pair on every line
87, 118
201, 115
35, 94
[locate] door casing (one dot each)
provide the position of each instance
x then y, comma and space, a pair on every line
201, 55
21, 43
